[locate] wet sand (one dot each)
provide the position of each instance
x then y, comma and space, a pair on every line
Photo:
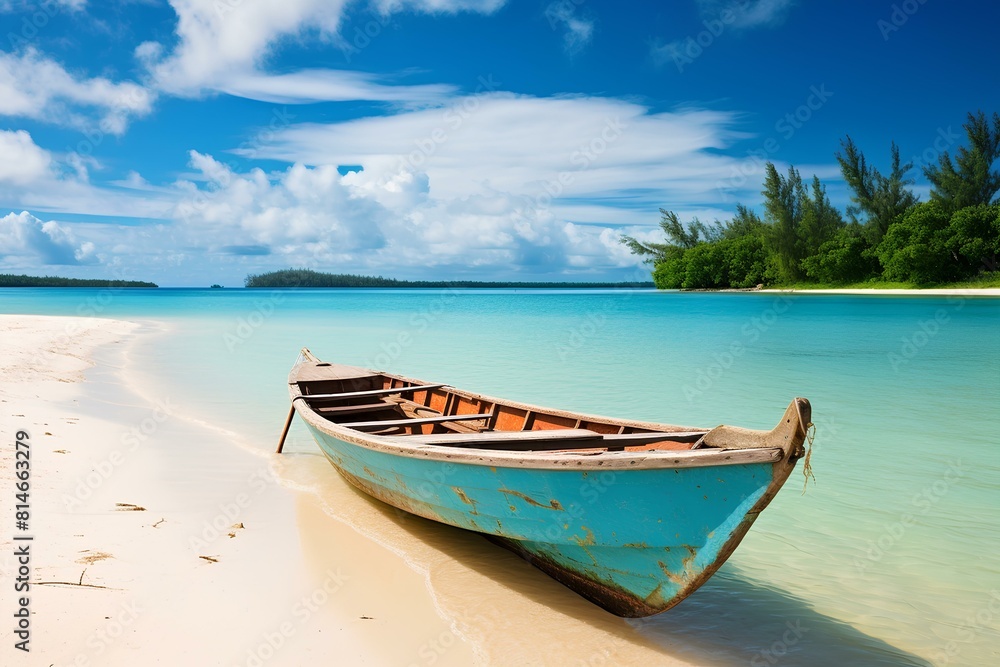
161, 539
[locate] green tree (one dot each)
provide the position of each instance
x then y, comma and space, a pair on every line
820, 220
744, 223
678, 235
915, 248
671, 270
880, 198
747, 260
969, 179
783, 210
705, 267
974, 238
847, 257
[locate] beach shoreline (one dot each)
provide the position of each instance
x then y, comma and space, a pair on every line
930, 291
160, 537
139, 556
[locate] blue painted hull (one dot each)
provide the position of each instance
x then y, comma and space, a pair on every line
636, 542
635, 529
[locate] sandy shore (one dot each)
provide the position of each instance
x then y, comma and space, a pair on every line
985, 291
157, 540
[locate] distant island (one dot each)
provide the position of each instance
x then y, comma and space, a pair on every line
10, 280
309, 278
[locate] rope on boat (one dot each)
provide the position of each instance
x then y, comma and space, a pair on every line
806, 465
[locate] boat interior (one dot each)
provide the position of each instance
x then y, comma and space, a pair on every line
437, 414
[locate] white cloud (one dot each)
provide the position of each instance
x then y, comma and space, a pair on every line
21, 160
10, 6
369, 220
577, 31
307, 86
439, 6
720, 17
31, 177
220, 38
582, 149
26, 240
224, 45
749, 13
34, 86
509, 185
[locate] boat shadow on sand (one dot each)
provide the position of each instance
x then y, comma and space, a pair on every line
731, 620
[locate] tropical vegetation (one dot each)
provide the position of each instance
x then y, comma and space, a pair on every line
310, 278
885, 235
10, 280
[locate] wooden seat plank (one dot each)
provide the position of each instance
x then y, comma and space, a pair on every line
371, 392
356, 409
385, 423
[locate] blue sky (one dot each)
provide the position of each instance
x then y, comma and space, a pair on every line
196, 141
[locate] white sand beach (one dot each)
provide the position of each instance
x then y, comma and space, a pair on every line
983, 291
156, 540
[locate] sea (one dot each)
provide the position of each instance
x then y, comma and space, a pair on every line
890, 556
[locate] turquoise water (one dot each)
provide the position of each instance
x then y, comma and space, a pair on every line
891, 557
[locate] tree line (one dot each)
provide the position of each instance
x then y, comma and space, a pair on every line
310, 278
10, 280
887, 234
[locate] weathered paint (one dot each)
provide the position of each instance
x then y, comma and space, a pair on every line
633, 531
635, 542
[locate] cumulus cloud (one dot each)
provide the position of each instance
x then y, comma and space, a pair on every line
379, 217
35, 86
21, 160
24, 239
443, 188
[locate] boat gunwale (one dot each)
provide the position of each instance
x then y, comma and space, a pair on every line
604, 460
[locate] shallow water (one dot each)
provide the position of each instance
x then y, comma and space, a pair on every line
891, 556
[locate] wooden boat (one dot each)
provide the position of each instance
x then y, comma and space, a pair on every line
632, 515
